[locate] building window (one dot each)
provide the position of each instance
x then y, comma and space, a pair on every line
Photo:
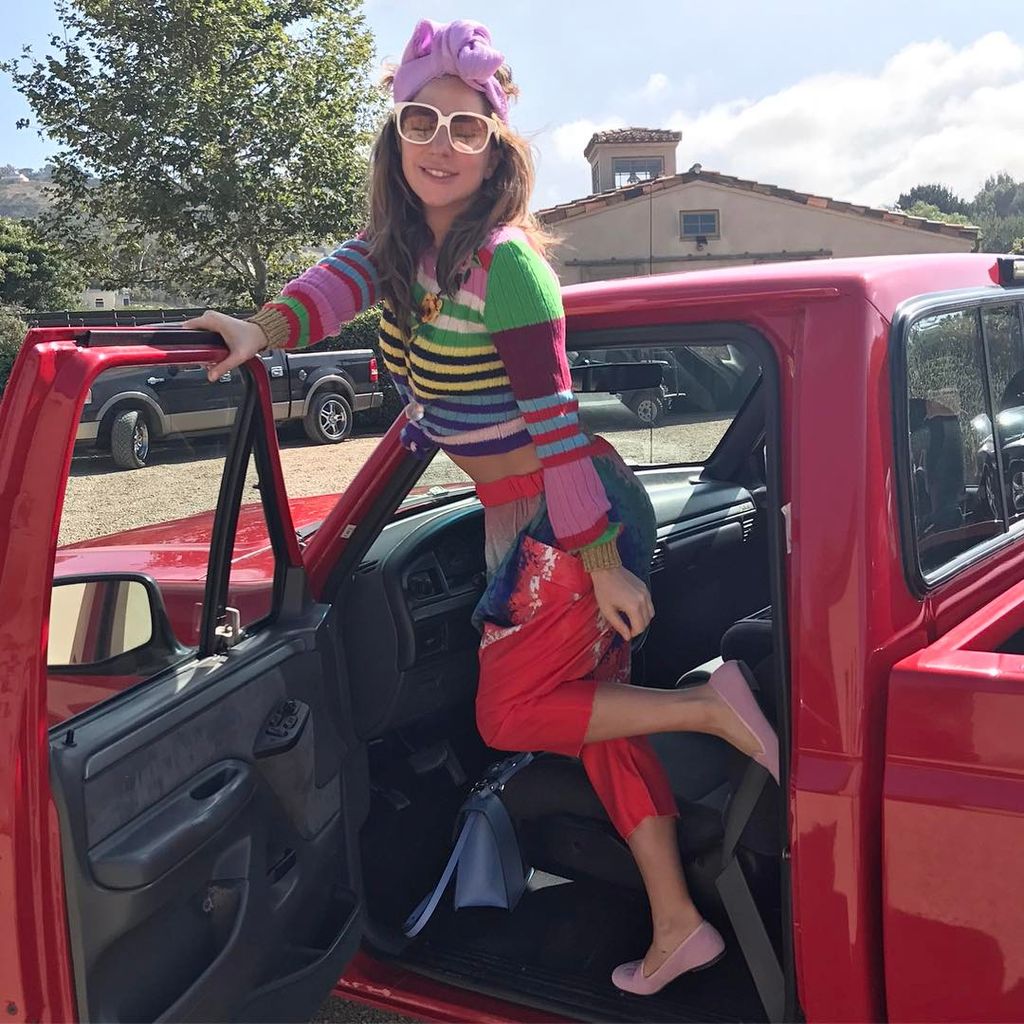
99, 303
633, 170
699, 223
595, 179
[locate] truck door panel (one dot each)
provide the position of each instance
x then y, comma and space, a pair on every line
953, 820
182, 860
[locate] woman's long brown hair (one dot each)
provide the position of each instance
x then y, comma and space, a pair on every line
397, 230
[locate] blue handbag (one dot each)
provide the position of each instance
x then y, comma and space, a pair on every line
485, 861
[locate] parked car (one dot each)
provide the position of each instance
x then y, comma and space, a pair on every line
708, 379
128, 412
236, 741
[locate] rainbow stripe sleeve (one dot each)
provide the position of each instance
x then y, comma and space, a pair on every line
316, 304
524, 316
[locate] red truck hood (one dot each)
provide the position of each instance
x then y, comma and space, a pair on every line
179, 550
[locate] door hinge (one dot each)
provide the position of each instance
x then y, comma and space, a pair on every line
229, 627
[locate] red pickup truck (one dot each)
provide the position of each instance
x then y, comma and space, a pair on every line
234, 735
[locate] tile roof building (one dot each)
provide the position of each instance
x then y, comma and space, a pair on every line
645, 218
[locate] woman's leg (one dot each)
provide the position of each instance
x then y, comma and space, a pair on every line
655, 848
555, 681
631, 784
622, 710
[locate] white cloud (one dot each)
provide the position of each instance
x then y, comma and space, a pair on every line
562, 173
933, 113
657, 85
571, 139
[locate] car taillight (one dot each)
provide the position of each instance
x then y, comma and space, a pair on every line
373, 370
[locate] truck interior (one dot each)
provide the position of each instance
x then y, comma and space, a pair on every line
716, 583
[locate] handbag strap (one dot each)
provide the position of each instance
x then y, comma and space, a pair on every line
415, 922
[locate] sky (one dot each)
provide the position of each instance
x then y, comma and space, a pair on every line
858, 101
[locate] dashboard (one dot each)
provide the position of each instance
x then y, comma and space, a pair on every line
409, 642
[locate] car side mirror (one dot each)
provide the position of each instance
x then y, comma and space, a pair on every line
111, 624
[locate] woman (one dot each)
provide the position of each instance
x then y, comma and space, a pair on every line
473, 335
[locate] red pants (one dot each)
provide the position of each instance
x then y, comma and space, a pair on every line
538, 677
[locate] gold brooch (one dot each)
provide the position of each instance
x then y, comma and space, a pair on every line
430, 308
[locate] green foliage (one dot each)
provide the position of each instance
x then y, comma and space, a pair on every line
1000, 196
1000, 234
931, 212
997, 209
35, 273
12, 334
939, 196
204, 143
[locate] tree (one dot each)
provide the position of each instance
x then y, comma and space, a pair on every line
997, 209
1000, 196
205, 143
35, 273
940, 196
931, 212
12, 333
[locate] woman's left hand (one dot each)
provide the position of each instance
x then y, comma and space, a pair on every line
624, 601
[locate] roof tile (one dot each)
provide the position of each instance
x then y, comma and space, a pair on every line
632, 136
605, 200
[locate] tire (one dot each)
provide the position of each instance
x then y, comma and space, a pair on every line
129, 439
1016, 485
648, 407
329, 419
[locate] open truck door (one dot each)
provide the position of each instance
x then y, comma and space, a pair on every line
952, 883
180, 789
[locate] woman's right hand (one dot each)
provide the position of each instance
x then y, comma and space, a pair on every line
242, 337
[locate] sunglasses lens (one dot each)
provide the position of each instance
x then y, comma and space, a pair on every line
469, 133
417, 124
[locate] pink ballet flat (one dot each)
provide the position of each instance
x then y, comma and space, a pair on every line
730, 682
700, 949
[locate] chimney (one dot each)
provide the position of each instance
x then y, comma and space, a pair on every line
628, 156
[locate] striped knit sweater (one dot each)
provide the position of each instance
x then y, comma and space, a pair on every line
482, 372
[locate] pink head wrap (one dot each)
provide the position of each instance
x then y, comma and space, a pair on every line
460, 48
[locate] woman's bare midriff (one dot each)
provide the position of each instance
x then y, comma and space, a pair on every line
485, 469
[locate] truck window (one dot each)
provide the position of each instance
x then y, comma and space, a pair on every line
1003, 338
663, 402
133, 549
955, 491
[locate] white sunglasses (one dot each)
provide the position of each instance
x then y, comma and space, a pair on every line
468, 132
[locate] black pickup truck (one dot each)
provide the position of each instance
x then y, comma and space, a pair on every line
127, 411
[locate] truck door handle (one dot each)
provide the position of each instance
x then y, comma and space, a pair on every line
149, 846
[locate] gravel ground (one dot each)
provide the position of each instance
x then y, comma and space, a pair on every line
340, 1011
183, 477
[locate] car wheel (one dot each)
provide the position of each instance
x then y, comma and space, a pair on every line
329, 419
648, 407
1016, 474
129, 439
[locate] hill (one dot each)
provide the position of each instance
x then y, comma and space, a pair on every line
22, 198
